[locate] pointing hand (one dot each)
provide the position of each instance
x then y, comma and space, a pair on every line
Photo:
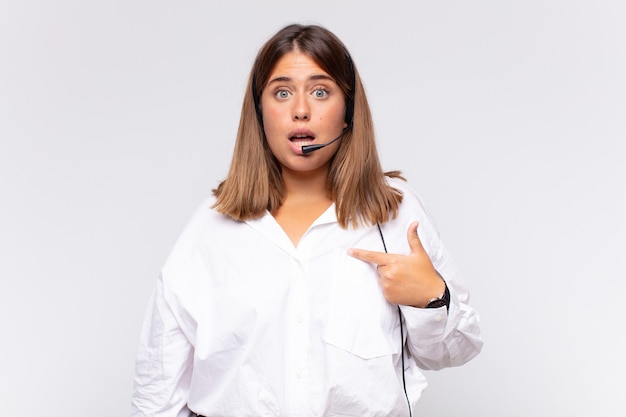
407, 279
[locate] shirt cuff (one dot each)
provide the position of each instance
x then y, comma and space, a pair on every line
425, 326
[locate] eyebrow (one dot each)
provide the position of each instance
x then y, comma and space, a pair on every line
285, 79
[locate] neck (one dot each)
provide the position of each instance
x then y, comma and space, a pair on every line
306, 185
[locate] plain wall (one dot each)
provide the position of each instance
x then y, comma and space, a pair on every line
508, 117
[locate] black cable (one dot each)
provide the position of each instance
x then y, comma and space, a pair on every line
406, 395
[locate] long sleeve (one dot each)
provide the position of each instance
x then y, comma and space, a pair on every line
435, 339
163, 365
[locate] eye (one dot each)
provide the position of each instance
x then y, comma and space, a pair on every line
320, 92
282, 94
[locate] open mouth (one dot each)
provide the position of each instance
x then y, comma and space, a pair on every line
301, 137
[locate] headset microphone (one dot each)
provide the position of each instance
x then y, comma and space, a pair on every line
306, 149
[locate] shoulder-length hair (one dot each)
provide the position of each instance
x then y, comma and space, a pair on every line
356, 182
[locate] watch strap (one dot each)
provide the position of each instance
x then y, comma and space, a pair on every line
442, 300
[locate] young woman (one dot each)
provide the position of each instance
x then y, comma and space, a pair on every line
311, 283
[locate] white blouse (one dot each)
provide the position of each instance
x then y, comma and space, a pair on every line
242, 323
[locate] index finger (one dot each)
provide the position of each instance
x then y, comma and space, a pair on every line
379, 258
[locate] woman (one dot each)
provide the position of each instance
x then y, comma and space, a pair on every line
279, 298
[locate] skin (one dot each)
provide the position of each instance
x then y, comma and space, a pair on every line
300, 98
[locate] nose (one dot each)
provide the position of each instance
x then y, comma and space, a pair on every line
301, 109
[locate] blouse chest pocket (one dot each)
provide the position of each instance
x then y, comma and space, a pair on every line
360, 320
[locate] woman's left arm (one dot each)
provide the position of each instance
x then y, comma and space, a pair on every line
436, 337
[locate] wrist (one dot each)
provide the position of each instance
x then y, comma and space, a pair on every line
441, 299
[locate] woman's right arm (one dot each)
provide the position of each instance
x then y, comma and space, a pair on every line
164, 363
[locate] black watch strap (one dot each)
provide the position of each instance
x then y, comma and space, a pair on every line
443, 300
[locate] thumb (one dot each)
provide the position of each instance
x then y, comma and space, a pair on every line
415, 244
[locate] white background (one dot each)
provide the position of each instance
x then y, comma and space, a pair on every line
508, 117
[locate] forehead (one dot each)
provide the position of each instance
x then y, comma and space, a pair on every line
296, 65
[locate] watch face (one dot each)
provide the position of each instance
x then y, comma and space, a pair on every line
440, 302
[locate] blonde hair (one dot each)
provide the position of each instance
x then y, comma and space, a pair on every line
356, 182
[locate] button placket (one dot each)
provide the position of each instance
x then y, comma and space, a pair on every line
298, 338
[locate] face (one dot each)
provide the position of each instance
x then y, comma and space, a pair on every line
302, 105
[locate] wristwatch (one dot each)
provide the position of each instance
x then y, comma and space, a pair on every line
442, 300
